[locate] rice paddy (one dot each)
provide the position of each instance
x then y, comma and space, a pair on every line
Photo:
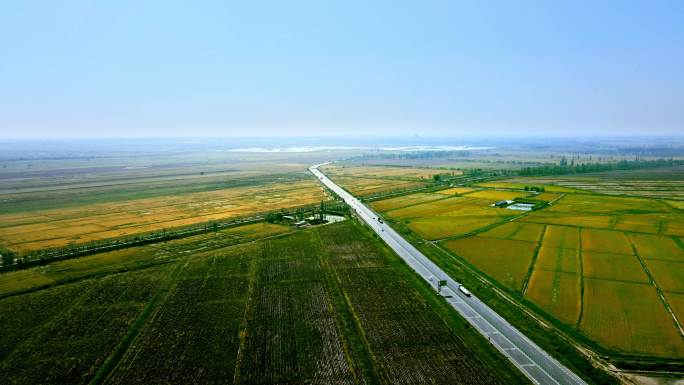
561, 258
629, 318
29, 231
507, 261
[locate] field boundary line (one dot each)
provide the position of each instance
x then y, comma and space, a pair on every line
242, 333
659, 291
357, 368
357, 324
581, 279
678, 241
537, 317
535, 255
110, 364
45, 325
84, 278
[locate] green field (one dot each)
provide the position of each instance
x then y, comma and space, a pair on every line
246, 305
507, 261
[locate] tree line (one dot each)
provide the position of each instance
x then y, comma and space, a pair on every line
563, 167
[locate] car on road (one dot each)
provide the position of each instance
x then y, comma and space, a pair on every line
463, 290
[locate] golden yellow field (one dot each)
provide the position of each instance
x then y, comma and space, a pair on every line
404, 200
448, 217
557, 293
676, 302
564, 237
521, 186
628, 317
657, 247
601, 204
455, 191
605, 241
370, 186
517, 230
383, 172
570, 219
669, 276
432, 209
674, 227
555, 259
507, 261
639, 224
617, 267
493, 196
61, 227
548, 197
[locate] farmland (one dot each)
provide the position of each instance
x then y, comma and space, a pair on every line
561, 258
405, 173
130, 258
373, 180
660, 183
449, 217
254, 305
35, 230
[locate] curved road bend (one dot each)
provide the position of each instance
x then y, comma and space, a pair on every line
534, 362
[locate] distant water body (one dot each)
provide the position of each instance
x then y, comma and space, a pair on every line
332, 148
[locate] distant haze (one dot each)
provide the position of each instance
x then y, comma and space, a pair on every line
72, 69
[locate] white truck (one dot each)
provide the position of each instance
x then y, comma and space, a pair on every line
463, 290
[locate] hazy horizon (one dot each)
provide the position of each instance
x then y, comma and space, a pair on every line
82, 69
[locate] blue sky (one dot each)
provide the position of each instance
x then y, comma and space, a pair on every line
283, 68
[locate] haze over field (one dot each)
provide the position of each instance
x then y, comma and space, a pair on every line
81, 68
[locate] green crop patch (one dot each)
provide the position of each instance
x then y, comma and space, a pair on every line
430, 209
628, 317
443, 227
409, 341
71, 346
507, 261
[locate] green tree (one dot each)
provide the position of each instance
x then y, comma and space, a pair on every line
7, 258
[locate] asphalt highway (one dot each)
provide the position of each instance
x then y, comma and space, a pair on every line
532, 361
